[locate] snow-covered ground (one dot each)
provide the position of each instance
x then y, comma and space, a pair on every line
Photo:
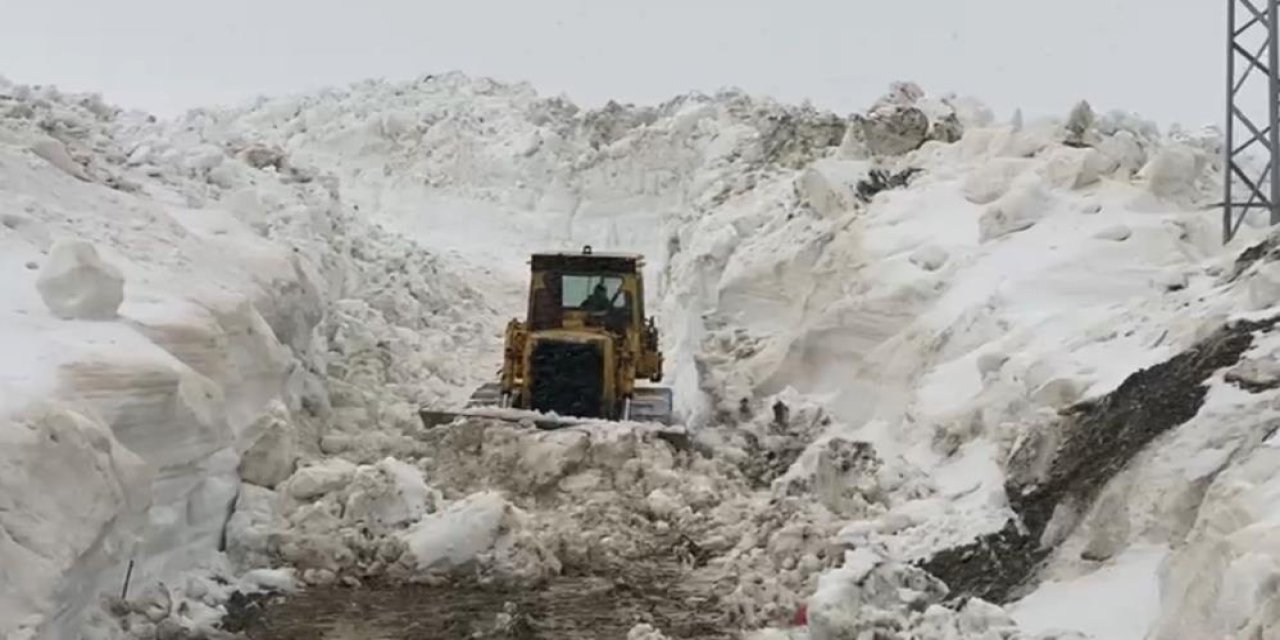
220, 386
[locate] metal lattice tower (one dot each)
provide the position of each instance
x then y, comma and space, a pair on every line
1253, 83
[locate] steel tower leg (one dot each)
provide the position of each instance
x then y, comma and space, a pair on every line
1253, 66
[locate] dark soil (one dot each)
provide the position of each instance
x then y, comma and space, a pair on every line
1099, 439
568, 608
878, 180
1267, 251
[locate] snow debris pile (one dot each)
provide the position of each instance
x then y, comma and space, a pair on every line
903, 342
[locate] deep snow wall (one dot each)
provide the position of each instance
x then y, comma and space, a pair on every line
254, 309
124, 431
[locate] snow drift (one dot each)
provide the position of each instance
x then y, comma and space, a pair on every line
874, 325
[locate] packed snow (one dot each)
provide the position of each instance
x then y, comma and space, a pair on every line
219, 328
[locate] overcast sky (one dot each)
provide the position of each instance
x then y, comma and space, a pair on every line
1161, 58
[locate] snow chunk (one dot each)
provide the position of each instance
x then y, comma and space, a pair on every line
978, 617
1018, 210
868, 595
645, 631
929, 257
55, 152
824, 192
271, 458
455, 536
321, 478
76, 284
1123, 152
989, 364
1058, 393
252, 525
1255, 374
1118, 233
1069, 168
992, 179
1172, 173
661, 504
1264, 287
271, 579
1107, 530
390, 493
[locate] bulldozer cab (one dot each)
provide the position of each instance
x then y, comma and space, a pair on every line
586, 291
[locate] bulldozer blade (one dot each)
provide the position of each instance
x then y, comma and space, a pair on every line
486, 402
651, 404
436, 418
648, 405
675, 436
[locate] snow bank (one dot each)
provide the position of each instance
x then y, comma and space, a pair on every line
138, 354
150, 372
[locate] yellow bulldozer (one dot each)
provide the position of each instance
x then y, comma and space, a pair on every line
581, 351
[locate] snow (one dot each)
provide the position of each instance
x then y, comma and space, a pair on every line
1118, 601
299, 275
272, 579
316, 480
458, 534
76, 284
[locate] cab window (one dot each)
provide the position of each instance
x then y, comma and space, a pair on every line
592, 292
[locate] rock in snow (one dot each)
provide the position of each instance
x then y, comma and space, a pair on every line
76, 284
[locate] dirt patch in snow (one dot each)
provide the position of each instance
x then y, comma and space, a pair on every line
1096, 441
565, 608
1266, 251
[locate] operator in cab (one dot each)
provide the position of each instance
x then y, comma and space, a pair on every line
598, 300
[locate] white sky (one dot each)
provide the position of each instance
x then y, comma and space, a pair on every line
1161, 58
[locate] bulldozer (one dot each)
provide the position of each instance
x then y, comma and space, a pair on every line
582, 352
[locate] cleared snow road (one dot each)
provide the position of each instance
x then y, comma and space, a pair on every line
569, 608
